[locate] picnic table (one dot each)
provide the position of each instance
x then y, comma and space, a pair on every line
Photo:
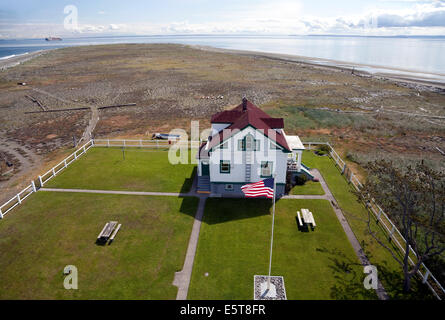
306, 218
107, 232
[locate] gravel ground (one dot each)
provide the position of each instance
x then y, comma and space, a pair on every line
275, 280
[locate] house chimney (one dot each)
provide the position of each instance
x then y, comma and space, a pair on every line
244, 104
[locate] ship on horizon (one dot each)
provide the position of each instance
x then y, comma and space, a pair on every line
53, 39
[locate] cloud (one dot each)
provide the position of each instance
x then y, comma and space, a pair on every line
280, 17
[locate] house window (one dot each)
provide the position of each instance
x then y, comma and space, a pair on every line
266, 169
248, 143
228, 187
224, 166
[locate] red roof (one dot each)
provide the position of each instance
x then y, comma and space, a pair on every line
252, 115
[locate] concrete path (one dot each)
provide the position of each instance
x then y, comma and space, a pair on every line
305, 196
381, 293
182, 278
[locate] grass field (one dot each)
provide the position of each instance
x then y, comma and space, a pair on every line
310, 187
234, 246
141, 170
52, 230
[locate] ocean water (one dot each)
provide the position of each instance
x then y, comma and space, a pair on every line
421, 56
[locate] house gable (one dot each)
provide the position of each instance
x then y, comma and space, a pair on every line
233, 133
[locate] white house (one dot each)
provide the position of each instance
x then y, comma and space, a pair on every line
247, 145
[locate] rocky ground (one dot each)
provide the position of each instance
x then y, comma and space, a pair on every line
365, 117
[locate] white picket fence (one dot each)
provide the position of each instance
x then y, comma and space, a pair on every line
42, 179
381, 218
140, 143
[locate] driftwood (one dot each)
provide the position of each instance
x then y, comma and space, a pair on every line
440, 151
118, 106
44, 108
84, 108
59, 110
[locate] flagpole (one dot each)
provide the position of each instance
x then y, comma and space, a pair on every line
271, 239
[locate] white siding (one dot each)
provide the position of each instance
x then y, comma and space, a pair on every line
237, 160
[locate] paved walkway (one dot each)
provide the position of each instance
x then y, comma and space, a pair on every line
182, 278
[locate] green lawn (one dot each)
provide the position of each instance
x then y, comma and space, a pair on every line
141, 170
390, 272
234, 246
310, 187
51, 230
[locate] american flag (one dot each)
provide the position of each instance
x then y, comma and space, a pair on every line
259, 189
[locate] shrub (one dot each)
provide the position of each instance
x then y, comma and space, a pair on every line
323, 149
300, 179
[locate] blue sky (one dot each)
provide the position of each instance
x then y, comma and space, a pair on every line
36, 19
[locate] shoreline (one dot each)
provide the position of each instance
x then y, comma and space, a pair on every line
15, 60
403, 77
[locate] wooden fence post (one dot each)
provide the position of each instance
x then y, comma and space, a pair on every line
33, 186
54, 172
41, 181
64, 161
391, 233
425, 277
378, 217
344, 169
18, 198
1, 213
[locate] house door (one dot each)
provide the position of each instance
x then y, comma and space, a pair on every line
205, 169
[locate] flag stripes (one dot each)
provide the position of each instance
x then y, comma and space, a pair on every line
263, 188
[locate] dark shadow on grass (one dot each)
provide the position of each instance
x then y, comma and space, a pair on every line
304, 228
349, 277
221, 210
189, 205
392, 280
188, 182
